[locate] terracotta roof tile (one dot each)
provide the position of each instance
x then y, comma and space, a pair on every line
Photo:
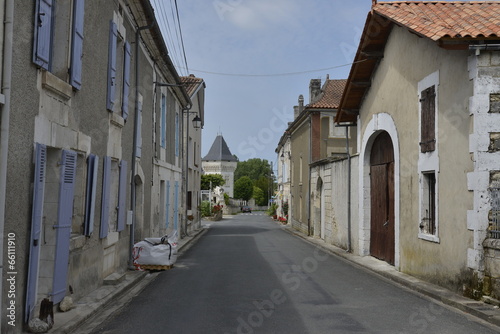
440, 19
332, 92
191, 83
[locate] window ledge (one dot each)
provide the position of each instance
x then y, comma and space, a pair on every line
428, 237
117, 120
77, 242
56, 85
492, 243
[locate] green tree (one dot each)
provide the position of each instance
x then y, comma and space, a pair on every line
259, 197
264, 183
217, 181
253, 168
243, 188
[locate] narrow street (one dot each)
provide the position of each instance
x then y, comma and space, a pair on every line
247, 275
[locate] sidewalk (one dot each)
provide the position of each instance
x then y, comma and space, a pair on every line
485, 311
97, 301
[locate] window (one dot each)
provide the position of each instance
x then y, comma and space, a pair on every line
428, 120
494, 229
428, 212
58, 39
336, 131
119, 52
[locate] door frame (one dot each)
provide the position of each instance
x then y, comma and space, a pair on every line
378, 122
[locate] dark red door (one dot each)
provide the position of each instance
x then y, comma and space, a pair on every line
382, 199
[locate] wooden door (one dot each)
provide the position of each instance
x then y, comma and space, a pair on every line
382, 199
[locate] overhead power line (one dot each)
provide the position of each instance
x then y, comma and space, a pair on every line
276, 74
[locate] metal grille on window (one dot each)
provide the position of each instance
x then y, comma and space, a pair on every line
494, 229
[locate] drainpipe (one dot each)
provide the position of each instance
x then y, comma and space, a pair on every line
348, 189
4, 131
186, 110
308, 200
134, 148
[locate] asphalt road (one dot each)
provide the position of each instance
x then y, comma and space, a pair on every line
247, 275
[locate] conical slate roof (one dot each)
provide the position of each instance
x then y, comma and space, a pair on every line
219, 151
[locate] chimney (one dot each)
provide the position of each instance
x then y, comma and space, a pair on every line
298, 109
314, 90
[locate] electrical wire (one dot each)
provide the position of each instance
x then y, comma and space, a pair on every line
277, 74
182, 39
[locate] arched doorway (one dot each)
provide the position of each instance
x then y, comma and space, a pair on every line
382, 222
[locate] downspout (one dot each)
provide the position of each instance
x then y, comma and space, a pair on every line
309, 179
5, 119
134, 148
186, 110
348, 189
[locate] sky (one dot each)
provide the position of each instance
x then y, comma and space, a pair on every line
256, 57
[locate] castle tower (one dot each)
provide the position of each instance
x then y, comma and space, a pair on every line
220, 160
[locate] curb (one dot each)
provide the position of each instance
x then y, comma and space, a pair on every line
90, 305
479, 309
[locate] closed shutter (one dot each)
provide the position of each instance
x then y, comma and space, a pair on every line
428, 120
122, 193
167, 206
176, 205
92, 167
138, 151
43, 33
163, 121
36, 223
176, 134
63, 227
126, 79
113, 36
77, 44
106, 189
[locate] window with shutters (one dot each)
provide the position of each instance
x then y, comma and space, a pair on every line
119, 67
58, 39
428, 158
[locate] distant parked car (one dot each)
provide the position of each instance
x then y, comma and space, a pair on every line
246, 209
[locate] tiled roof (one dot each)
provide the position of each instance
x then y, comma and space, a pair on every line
452, 25
191, 83
219, 151
440, 19
332, 92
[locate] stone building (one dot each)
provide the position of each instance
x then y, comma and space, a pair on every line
220, 160
90, 139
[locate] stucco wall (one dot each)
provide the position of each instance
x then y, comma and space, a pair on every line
300, 154
394, 91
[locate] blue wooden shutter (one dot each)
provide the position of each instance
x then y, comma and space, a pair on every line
92, 167
176, 205
163, 121
122, 194
126, 79
176, 134
167, 209
63, 227
75, 71
106, 193
36, 223
139, 132
42, 44
113, 36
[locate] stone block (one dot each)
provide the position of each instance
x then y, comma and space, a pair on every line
494, 142
494, 103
